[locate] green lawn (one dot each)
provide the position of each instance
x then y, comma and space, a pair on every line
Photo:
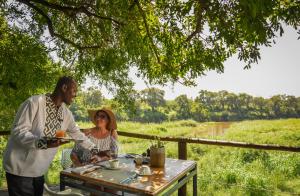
226, 170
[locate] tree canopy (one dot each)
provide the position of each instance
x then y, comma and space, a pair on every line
167, 41
25, 70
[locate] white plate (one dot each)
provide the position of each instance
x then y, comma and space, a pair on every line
117, 168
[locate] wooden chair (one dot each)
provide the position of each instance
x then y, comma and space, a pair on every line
66, 161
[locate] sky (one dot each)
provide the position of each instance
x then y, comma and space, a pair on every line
277, 72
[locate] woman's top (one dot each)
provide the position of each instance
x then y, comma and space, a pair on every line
108, 143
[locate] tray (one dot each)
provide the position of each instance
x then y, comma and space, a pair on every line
63, 139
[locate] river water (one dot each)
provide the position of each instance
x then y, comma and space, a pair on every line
216, 129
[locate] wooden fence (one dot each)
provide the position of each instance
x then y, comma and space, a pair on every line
183, 141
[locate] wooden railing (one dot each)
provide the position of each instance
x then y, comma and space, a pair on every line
3, 133
212, 142
183, 141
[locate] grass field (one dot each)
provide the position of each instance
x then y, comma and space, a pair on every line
225, 170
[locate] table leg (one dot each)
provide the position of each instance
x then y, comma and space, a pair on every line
182, 191
195, 183
62, 185
182, 154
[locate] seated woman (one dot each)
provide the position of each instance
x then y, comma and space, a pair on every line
103, 135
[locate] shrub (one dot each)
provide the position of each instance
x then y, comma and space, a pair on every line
188, 124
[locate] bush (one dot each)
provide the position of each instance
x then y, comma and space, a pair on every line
162, 129
248, 156
188, 124
153, 116
256, 186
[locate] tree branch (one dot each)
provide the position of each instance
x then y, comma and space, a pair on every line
202, 6
51, 29
148, 30
80, 9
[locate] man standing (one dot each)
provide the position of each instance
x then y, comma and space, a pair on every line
28, 154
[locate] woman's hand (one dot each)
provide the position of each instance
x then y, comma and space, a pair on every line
95, 159
105, 158
104, 153
75, 160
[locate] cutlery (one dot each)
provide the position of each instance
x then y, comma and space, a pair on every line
129, 179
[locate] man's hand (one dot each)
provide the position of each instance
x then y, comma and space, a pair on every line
55, 143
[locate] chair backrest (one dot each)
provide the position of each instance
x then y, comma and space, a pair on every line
48, 190
66, 161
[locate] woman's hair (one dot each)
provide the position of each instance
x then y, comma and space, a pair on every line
107, 116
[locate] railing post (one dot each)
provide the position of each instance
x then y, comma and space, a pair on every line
182, 150
182, 154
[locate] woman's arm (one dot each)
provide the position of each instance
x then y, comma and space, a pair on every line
75, 159
76, 152
114, 148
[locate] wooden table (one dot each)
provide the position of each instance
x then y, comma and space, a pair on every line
164, 181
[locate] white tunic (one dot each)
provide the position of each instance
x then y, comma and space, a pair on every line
21, 156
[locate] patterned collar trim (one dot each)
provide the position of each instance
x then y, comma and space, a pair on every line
50, 102
54, 117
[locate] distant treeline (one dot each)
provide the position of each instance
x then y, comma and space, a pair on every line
150, 106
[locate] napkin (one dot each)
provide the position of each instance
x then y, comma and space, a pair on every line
85, 169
